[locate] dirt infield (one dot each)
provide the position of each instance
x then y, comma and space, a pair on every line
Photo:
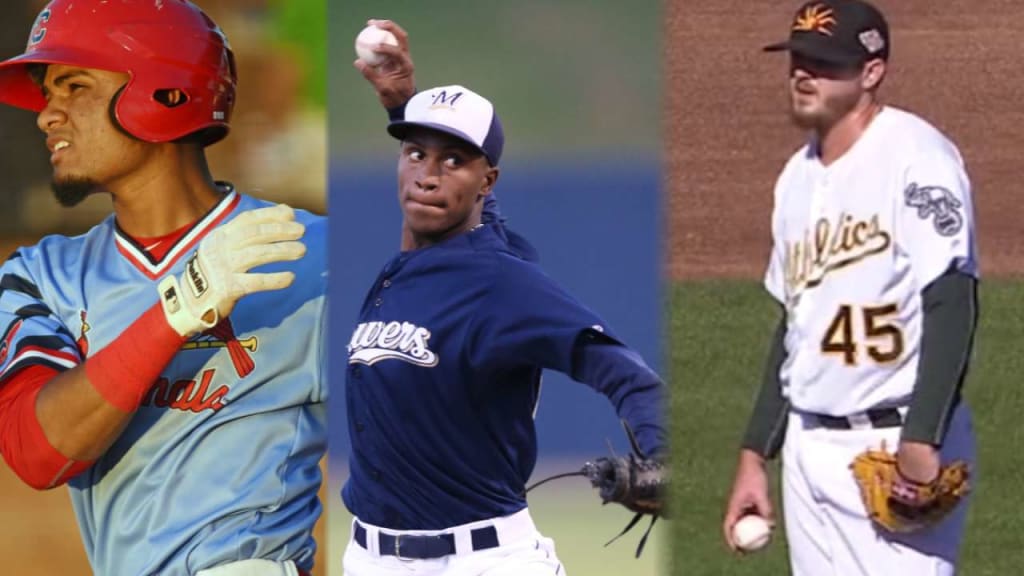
727, 134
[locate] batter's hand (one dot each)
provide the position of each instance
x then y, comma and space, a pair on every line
393, 79
749, 494
217, 275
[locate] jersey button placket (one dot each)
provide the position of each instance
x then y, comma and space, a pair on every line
819, 209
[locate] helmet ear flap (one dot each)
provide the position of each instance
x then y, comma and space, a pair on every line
112, 111
171, 98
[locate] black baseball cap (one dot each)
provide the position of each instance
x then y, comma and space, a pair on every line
841, 32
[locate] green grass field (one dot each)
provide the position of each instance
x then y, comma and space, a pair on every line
720, 335
571, 514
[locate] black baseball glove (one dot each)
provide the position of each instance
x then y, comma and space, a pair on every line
635, 481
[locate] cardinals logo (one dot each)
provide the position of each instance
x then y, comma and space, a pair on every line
816, 18
223, 336
83, 341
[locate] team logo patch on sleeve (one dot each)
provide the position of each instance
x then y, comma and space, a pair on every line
938, 204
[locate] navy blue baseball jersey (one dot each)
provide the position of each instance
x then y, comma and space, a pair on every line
444, 377
221, 461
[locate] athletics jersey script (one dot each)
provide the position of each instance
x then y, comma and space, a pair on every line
220, 463
855, 243
443, 378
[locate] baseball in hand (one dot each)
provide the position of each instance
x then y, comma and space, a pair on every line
368, 39
751, 533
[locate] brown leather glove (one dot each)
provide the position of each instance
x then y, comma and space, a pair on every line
900, 505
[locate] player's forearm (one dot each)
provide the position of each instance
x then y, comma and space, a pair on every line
950, 316
84, 409
767, 426
638, 394
22, 442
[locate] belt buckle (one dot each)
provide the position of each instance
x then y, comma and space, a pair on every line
398, 549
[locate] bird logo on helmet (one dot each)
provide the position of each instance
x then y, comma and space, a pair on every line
182, 75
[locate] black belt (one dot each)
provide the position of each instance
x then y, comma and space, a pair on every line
419, 547
878, 418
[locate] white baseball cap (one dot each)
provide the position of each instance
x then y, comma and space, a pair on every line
454, 110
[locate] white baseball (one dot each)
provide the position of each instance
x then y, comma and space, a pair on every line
368, 39
751, 533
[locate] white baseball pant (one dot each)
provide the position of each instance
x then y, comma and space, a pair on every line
827, 526
521, 551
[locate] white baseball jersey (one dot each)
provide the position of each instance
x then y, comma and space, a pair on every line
854, 244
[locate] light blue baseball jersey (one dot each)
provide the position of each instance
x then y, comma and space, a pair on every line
221, 461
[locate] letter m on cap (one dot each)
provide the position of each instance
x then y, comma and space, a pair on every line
442, 98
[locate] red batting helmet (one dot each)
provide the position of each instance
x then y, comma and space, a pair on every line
163, 45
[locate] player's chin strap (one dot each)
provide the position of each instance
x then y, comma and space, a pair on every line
604, 474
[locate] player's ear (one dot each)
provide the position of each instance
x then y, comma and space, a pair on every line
874, 72
490, 179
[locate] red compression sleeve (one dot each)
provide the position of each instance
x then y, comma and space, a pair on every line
22, 440
125, 369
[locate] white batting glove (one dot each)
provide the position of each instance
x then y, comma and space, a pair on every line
217, 275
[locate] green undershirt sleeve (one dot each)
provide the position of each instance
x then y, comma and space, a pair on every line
950, 306
767, 426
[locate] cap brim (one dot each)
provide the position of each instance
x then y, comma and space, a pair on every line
777, 47
400, 129
803, 46
18, 89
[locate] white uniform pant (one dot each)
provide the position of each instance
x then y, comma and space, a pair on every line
521, 551
827, 526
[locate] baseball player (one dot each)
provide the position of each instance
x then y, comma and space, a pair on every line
165, 365
874, 264
445, 364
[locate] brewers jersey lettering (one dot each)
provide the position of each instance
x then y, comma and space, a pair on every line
443, 379
220, 463
855, 243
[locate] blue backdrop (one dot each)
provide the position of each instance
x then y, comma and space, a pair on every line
595, 220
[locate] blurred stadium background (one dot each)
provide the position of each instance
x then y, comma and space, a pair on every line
277, 150
576, 84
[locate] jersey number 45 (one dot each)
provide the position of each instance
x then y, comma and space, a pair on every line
881, 340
